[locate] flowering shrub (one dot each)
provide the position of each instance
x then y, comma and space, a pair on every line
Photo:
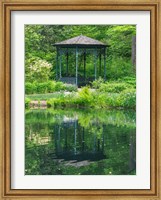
38, 70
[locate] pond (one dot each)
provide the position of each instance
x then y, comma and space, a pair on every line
80, 142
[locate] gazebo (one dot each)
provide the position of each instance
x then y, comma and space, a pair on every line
80, 46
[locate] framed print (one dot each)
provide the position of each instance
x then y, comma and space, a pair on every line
80, 99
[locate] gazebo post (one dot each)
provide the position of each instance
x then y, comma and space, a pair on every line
60, 64
57, 58
83, 140
84, 63
100, 63
75, 137
66, 140
76, 73
95, 66
67, 63
105, 63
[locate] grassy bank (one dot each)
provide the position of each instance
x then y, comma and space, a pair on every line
100, 94
88, 99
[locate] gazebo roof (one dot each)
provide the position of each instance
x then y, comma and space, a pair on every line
80, 40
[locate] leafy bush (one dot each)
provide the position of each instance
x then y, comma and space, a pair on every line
41, 88
127, 98
85, 98
114, 87
51, 86
30, 88
27, 102
85, 95
129, 80
96, 84
59, 86
48, 87
53, 102
71, 88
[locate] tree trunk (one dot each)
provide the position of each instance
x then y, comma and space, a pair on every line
133, 54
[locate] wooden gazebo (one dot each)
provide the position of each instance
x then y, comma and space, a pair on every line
80, 45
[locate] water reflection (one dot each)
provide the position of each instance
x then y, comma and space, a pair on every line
80, 142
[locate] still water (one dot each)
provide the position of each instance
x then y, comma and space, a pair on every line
80, 142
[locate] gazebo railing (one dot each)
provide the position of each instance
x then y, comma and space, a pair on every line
81, 80
68, 80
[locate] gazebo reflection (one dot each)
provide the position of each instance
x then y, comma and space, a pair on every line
75, 143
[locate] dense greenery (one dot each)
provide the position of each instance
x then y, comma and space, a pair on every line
40, 62
101, 94
87, 98
47, 87
40, 67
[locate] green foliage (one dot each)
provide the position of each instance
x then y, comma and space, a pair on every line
38, 40
27, 102
48, 87
120, 93
118, 67
30, 88
96, 84
120, 39
71, 88
114, 87
85, 95
127, 98
41, 88
129, 80
59, 86
87, 98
